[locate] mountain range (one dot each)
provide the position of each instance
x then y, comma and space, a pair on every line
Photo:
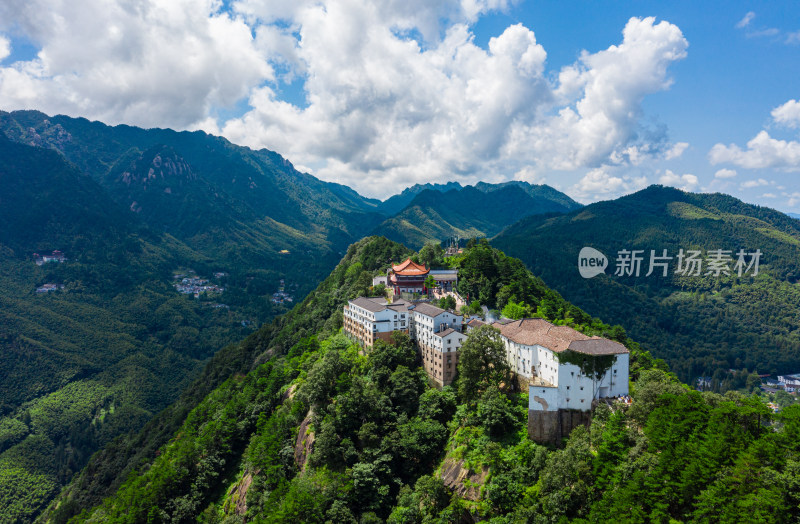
111, 342
310, 428
702, 325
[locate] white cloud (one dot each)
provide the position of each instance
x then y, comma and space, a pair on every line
793, 198
161, 62
769, 31
5, 47
686, 182
769, 195
744, 22
676, 151
381, 108
725, 173
396, 92
762, 152
787, 114
754, 183
599, 184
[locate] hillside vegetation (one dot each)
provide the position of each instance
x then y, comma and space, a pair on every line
318, 431
109, 342
436, 214
704, 325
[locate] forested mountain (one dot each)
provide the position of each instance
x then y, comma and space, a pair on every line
702, 325
469, 212
243, 207
397, 203
95, 346
108, 346
309, 429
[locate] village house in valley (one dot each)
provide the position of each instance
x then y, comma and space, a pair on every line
56, 256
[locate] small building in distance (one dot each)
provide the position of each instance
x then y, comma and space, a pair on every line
56, 256
446, 279
408, 277
565, 371
49, 288
369, 319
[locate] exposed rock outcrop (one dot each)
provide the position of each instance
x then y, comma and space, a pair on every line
465, 482
305, 442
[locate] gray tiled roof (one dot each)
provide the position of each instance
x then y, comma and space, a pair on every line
370, 304
428, 310
598, 346
445, 332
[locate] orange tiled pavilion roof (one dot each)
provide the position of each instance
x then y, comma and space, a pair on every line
409, 268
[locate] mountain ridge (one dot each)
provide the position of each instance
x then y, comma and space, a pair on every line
663, 312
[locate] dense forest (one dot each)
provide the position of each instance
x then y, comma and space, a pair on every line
109, 342
483, 210
319, 431
701, 325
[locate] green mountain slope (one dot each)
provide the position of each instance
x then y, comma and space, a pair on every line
112, 345
396, 203
703, 326
483, 210
248, 209
317, 431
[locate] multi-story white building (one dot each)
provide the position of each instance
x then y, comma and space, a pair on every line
438, 335
369, 319
566, 371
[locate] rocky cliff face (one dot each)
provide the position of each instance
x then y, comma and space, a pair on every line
160, 164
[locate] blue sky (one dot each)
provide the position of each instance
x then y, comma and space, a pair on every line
595, 98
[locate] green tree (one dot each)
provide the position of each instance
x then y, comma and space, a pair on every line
448, 302
515, 311
430, 283
495, 412
431, 254
482, 363
438, 404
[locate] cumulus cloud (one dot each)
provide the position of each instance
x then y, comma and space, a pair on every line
599, 184
394, 92
754, 183
161, 62
382, 107
793, 198
686, 182
5, 47
676, 151
744, 22
725, 173
787, 114
762, 152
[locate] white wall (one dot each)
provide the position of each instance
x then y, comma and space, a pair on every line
543, 398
